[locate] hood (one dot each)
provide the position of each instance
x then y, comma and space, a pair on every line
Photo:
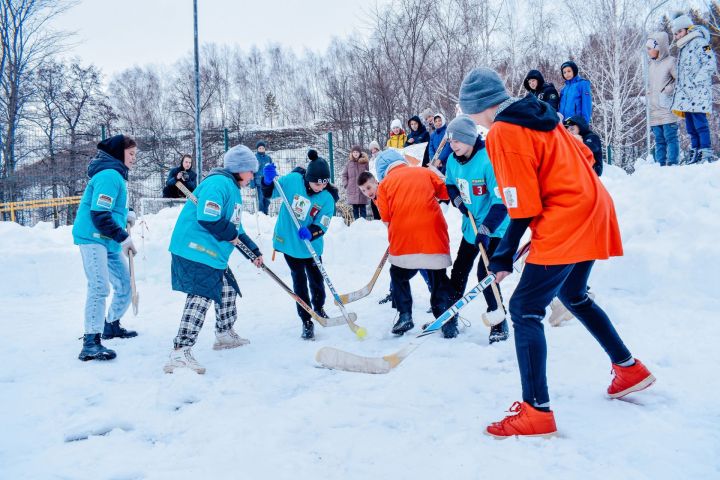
442, 118
696, 31
104, 161
574, 68
421, 129
578, 120
535, 74
363, 158
113, 146
529, 112
661, 42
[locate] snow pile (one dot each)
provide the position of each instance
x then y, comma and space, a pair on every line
263, 411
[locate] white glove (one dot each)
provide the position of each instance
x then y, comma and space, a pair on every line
128, 246
131, 218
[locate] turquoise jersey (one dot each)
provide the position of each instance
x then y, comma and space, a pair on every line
105, 192
316, 209
478, 189
219, 199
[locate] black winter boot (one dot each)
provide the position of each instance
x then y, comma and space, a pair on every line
385, 299
308, 330
114, 330
499, 332
93, 349
322, 313
403, 324
450, 329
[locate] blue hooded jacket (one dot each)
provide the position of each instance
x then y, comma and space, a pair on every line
575, 97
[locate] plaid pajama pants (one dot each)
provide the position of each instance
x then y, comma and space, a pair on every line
194, 315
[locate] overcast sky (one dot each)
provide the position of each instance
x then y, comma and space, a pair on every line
118, 35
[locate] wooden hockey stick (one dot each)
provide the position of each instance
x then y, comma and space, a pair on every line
336, 359
133, 288
325, 322
365, 291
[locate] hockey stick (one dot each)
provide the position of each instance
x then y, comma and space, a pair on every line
360, 332
325, 322
365, 291
336, 359
133, 288
497, 316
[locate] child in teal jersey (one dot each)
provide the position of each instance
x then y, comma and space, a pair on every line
100, 232
312, 198
202, 241
473, 190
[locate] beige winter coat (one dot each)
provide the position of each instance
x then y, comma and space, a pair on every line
661, 78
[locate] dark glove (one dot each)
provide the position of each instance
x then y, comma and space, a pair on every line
461, 206
304, 233
482, 239
269, 173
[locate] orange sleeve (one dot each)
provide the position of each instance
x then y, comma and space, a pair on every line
441, 192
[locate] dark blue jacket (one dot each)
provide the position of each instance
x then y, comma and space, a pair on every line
545, 91
435, 140
420, 135
591, 140
170, 191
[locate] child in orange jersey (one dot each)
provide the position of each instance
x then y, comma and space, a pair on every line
547, 183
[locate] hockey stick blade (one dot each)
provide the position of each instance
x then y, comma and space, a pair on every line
367, 289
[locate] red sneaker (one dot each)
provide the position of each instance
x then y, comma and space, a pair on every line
527, 422
629, 379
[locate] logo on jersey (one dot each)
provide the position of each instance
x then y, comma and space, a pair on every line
105, 201
325, 221
314, 210
212, 208
237, 214
464, 188
300, 207
511, 200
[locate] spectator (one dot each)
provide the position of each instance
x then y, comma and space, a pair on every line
263, 159
397, 135
579, 128
374, 152
661, 83
575, 97
427, 116
693, 91
436, 139
357, 164
418, 132
535, 83
183, 173
374, 149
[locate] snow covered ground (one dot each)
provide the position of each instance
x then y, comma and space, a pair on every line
265, 411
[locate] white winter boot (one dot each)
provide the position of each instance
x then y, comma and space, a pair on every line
228, 339
561, 314
183, 358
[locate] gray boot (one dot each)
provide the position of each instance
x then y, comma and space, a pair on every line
690, 156
705, 155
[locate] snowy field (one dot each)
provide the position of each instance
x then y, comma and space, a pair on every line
265, 411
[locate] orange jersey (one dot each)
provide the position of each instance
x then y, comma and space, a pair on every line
549, 176
408, 201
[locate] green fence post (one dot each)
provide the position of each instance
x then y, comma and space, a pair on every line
102, 132
331, 157
609, 154
226, 139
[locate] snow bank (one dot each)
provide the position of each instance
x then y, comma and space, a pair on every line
264, 411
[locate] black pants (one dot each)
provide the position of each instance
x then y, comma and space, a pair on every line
359, 211
539, 284
375, 211
438, 282
461, 271
302, 270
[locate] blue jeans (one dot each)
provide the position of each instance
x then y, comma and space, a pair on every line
103, 269
667, 147
538, 285
698, 128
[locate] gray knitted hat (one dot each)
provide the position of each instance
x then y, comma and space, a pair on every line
481, 89
240, 159
462, 129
